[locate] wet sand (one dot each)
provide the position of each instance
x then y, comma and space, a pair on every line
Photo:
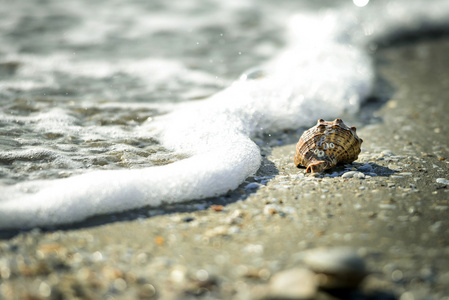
392, 211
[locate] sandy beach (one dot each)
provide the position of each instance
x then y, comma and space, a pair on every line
390, 207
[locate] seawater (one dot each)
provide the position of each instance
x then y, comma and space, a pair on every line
109, 106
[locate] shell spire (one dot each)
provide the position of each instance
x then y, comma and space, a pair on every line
327, 144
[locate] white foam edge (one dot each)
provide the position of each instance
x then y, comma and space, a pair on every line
75, 198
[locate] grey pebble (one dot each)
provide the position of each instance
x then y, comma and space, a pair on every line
252, 185
336, 268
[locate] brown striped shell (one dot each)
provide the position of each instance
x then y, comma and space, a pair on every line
327, 144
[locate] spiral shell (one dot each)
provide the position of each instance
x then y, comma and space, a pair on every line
327, 144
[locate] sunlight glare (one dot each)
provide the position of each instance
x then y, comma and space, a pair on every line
360, 3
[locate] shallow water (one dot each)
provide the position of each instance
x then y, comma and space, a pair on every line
76, 79
110, 85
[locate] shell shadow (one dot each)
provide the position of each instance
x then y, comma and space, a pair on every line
366, 168
378, 169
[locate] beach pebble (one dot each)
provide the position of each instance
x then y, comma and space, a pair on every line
353, 174
147, 291
336, 268
359, 175
292, 284
178, 274
349, 174
443, 181
252, 186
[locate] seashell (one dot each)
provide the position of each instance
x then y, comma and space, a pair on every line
327, 144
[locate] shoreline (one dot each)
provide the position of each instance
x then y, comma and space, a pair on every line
231, 246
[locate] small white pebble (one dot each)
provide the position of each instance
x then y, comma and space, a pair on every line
202, 275
349, 174
443, 181
387, 206
359, 175
44, 289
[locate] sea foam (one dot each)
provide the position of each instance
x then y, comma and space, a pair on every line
323, 73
